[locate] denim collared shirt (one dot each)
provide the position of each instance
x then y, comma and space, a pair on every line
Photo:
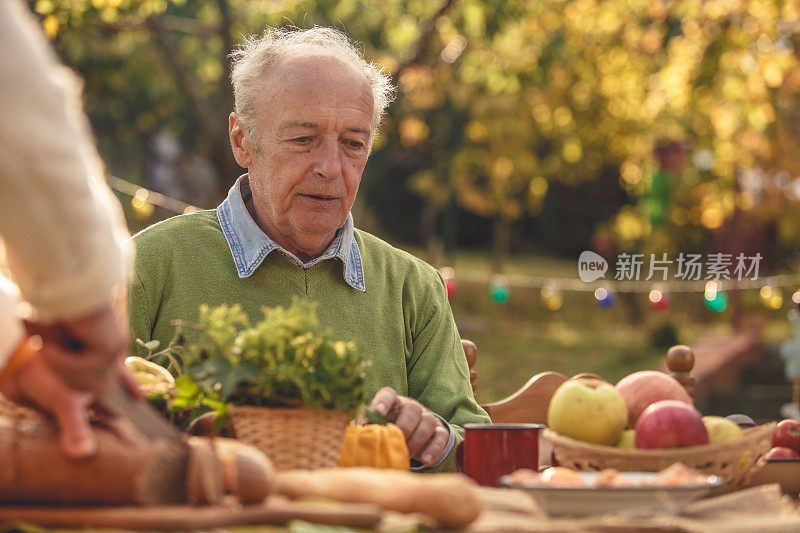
249, 246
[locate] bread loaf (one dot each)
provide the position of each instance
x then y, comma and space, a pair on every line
450, 499
126, 469
205, 482
249, 474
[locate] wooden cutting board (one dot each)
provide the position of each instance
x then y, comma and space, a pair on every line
276, 511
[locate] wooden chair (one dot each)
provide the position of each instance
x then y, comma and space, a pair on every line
529, 404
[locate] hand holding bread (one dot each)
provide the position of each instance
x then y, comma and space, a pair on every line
127, 468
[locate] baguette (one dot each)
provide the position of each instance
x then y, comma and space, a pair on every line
450, 499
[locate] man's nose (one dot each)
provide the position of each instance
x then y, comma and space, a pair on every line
329, 162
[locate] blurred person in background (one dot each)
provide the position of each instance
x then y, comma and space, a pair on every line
64, 239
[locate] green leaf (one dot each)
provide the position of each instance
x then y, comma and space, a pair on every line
152, 345
211, 373
243, 373
371, 416
188, 392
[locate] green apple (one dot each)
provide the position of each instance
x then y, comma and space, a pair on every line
628, 440
588, 409
721, 429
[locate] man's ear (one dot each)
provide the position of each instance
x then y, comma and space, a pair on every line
241, 144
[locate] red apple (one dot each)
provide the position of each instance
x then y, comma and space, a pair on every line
670, 424
642, 389
781, 452
787, 435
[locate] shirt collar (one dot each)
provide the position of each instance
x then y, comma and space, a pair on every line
249, 245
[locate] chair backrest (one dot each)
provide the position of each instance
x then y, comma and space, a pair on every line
529, 404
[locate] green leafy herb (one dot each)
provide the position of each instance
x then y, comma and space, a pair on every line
286, 359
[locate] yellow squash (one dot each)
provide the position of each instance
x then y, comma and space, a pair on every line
374, 445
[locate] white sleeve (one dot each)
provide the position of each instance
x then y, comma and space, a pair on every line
10, 326
63, 230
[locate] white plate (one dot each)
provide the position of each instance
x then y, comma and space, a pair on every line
639, 500
783, 471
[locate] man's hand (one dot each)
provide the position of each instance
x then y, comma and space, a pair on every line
86, 352
425, 433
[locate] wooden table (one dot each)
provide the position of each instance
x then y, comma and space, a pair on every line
759, 509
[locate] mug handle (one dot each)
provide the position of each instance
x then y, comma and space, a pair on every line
460, 457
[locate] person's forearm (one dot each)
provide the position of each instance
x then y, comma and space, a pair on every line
11, 331
62, 229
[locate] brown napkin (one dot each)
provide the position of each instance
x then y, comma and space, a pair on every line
761, 509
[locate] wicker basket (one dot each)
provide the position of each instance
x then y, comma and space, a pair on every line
733, 461
292, 437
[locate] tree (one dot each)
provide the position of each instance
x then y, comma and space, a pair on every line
499, 103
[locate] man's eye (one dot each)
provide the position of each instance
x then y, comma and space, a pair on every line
355, 144
301, 140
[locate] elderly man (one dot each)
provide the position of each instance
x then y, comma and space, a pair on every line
307, 108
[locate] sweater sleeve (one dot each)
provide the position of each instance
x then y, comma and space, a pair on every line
140, 316
438, 376
63, 231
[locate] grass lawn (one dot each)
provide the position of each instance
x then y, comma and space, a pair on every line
509, 354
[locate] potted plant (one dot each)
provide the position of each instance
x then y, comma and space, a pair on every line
287, 387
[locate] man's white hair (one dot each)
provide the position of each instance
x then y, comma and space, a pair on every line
256, 54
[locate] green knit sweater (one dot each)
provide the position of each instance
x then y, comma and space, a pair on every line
403, 320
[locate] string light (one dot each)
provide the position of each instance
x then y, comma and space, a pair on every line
604, 297
552, 297
147, 196
142, 209
771, 297
715, 294
655, 296
715, 298
658, 299
633, 286
498, 289
448, 274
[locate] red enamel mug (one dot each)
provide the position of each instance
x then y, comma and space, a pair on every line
490, 451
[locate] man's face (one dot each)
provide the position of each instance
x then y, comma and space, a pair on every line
313, 131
